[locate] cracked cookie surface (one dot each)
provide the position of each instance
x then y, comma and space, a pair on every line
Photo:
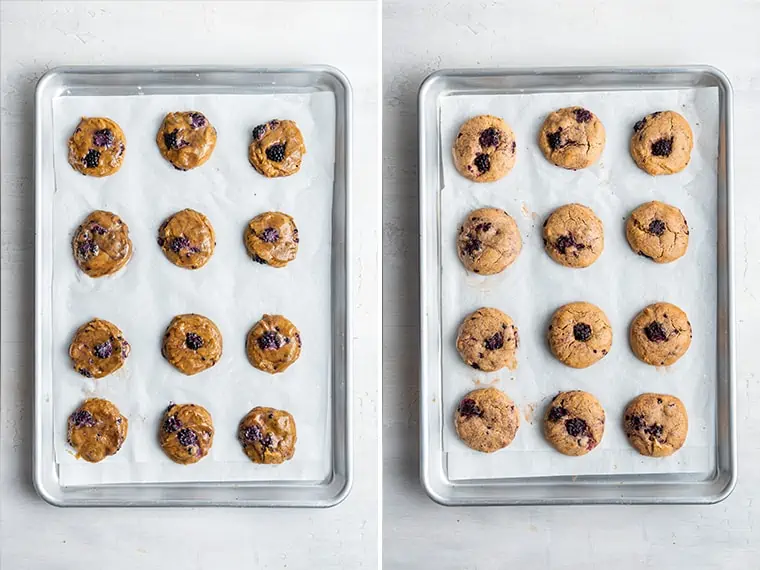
572, 138
489, 241
486, 420
662, 143
574, 236
660, 334
488, 340
485, 149
656, 424
658, 231
574, 422
579, 334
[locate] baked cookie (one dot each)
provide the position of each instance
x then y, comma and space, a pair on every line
268, 435
98, 348
574, 236
277, 148
97, 430
662, 143
658, 231
574, 422
186, 139
271, 238
187, 239
579, 334
488, 241
656, 424
660, 334
192, 343
101, 244
485, 149
273, 344
486, 420
572, 138
186, 433
97, 147
488, 340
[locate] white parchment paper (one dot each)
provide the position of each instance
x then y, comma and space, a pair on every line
231, 289
620, 282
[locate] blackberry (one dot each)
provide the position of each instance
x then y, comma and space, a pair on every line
258, 132
103, 350
197, 120
583, 116
469, 408
576, 427
92, 158
662, 147
483, 163
269, 341
490, 137
103, 137
495, 342
655, 332
82, 418
193, 341
656, 227
557, 413
582, 332
187, 437
276, 152
270, 235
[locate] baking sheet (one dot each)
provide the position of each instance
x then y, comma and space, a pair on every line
231, 289
620, 282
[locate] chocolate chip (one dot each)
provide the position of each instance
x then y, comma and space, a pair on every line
582, 332
483, 163
662, 147
655, 332
656, 227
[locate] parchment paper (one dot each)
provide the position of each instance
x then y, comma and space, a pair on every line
620, 282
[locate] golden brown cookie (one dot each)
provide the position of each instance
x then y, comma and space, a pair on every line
97, 430
271, 238
488, 340
186, 139
101, 244
273, 344
187, 239
98, 348
572, 138
574, 422
485, 149
656, 424
660, 334
486, 420
488, 241
97, 147
662, 143
186, 433
658, 231
574, 236
276, 149
579, 334
268, 435
192, 343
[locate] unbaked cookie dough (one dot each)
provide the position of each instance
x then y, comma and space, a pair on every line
488, 241
101, 244
187, 239
98, 348
192, 343
662, 143
572, 138
276, 149
97, 430
97, 147
486, 420
485, 149
488, 340
186, 139
579, 334
660, 334
271, 238
656, 424
574, 236
658, 231
574, 422
268, 435
186, 433
273, 344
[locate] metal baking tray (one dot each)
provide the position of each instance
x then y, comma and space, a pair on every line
88, 80
696, 488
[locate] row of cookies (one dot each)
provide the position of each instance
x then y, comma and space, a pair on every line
192, 343
186, 139
656, 425
485, 148
96, 430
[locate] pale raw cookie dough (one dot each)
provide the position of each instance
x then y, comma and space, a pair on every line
572, 138
186, 433
97, 147
488, 241
488, 340
580, 334
574, 423
273, 344
658, 231
276, 149
662, 143
98, 349
486, 420
656, 424
101, 244
660, 334
97, 430
192, 343
268, 435
186, 139
187, 239
574, 236
271, 238
485, 149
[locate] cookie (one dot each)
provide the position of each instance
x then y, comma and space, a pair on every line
187, 239
574, 422
574, 236
186, 433
97, 430
101, 244
186, 139
660, 334
273, 344
98, 348
656, 424
486, 420
192, 343
271, 238
276, 149
268, 435
488, 241
658, 231
662, 143
485, 149
488, 340
97, 147
572, 138
579, 334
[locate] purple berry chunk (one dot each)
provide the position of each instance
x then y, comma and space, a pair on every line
98, 229
179, 243
484, 227
557, 413
259, 259
583, 116
124, 348
469, 408
172, 424
483, 163
270, 340
662, 147
472, 246
276, 152
270, 235
639, 125
173, 142
655, 431
92, 158
565, 242
103, 137
258, 132
103, 350
252, 433
84, 372
193, 341
197, 120
576, 427
582, 332
637, 423
490, 137
656, 227
82, 418
88, 249
187, 437
495, 342
274, 123
554, 139
655, 332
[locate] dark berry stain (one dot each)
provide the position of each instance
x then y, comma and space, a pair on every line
484, 227
179, 243
103, 137
495, 342
172, 424
92, 158
656, 227
514, 147
582, 115
88, 249
472, 246
469, 408
565, 242
576, 427
103, 350
252, 433
269, 341
98, 229
276, 152
193, 341
662, 147
554, 139
259, 259
483, 163
639, 125
84, 372
557, 413
187, 437
258, 132
82, 418
490, 137
270, 235
173, 142
197, 120
655, 332
654, 430
582, 332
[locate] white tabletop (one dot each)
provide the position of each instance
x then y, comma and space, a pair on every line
420, 38
37, 36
